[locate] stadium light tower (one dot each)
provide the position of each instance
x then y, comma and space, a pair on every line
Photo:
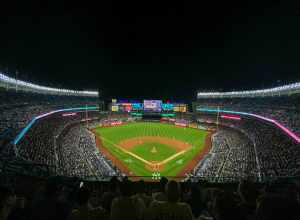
86, 117
16, 80
218, 113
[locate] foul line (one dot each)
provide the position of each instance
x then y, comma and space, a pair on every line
142, 159
172, 157
128, 152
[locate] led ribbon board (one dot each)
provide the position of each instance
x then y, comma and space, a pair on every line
231, 117
283, 128
69, 114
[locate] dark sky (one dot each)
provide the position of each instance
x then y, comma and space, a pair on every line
152, 49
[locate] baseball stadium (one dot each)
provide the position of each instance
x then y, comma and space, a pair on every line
221, 137
167, 110
142, 148
65, 141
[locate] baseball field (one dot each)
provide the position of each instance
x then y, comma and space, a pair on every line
145, 148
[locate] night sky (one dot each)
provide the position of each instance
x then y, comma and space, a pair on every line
151, 49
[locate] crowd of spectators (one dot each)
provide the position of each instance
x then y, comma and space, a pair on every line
278, 154
285, 109
70, 199
78, 155
19, 108
232, 157
249, 148
245, 149
66, 146
39, 143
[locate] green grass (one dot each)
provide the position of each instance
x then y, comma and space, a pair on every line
144, 151
114, 135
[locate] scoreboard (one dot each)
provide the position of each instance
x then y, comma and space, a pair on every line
152, 105
147, 106
137, 106
180, 108
167, 106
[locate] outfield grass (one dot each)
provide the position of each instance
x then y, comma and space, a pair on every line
111, 136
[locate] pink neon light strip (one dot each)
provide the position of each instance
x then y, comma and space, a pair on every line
231, 117
69, 114
290, 133
283, 128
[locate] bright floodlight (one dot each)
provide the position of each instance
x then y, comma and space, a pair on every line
7, 81
276, 91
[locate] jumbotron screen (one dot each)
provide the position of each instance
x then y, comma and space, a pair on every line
152, 105
147, 106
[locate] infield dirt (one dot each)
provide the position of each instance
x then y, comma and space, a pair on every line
132, 142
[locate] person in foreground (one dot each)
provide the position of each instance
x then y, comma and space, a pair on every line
84, 211
172, 209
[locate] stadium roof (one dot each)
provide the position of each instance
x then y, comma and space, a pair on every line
9, 82
276, 91
165, 49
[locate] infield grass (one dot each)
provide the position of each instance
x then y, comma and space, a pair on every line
153, 151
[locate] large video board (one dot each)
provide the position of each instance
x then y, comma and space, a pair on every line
137, 106
167, 106
114, 108
147, 106
180, 108
152, 105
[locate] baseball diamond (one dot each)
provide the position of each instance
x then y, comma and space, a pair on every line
153, 147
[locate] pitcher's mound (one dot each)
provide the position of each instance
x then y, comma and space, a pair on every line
153, 150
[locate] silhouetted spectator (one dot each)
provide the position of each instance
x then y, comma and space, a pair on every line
141, 193
195, 201
171, 209
124, 207
48, 206
225, 207
84, 211
161, 196
274, 206
7, 202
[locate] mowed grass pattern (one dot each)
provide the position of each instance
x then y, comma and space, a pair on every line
153, 151
111, 136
